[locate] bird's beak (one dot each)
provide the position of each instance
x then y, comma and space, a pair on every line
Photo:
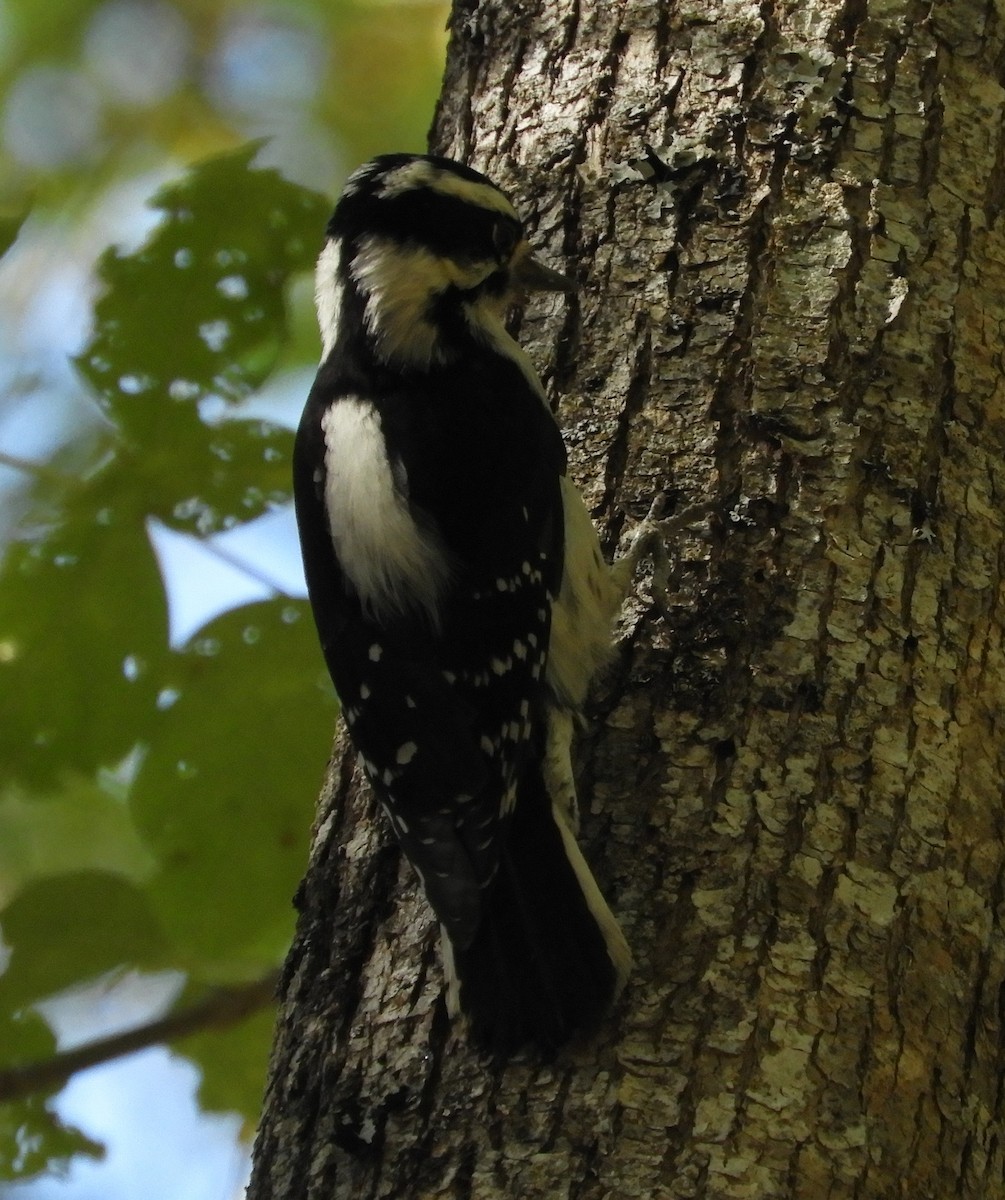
530, 275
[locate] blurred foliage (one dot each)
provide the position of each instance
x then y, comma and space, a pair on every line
32, 1138
231, 1065
171, 790
156, 797
9, 229
91, 85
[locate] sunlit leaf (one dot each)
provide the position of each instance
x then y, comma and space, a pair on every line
80, 826
199, 310
198, 315
216, 476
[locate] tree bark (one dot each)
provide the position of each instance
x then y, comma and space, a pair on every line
787, 219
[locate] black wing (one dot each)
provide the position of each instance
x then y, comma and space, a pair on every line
446, 717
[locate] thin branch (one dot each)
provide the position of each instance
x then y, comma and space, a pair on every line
219, 1010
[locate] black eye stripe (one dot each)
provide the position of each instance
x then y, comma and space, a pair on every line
444, 225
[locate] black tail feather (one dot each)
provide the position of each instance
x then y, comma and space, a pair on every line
548, 958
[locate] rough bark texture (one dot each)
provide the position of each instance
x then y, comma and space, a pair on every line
787, 218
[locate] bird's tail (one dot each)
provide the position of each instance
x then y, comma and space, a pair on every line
548, 958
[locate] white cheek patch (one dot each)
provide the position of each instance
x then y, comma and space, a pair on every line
328, 294
399, 282
395, 565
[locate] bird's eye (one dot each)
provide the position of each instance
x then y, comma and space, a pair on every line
505, 235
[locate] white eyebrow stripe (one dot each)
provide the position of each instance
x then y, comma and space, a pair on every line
426, 174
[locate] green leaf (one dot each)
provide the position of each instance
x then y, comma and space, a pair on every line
199, 314
75, 927
81, 826
83, 639
233, 1063
10, 227
204, 479
225, 796
199, 309
33, 1139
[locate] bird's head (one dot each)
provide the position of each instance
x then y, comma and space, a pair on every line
421, 254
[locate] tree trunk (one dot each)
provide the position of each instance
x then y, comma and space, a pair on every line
787, 218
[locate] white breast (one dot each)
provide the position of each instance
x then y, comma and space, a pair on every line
395, 564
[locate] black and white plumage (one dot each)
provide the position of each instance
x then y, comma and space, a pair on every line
458, 588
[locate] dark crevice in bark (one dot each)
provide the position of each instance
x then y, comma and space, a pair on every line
636, 396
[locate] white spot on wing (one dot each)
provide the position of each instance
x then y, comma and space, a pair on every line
406, 753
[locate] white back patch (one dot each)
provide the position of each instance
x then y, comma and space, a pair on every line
395, 566
328, 294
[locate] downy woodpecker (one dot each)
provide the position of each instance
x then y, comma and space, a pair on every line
458, 587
